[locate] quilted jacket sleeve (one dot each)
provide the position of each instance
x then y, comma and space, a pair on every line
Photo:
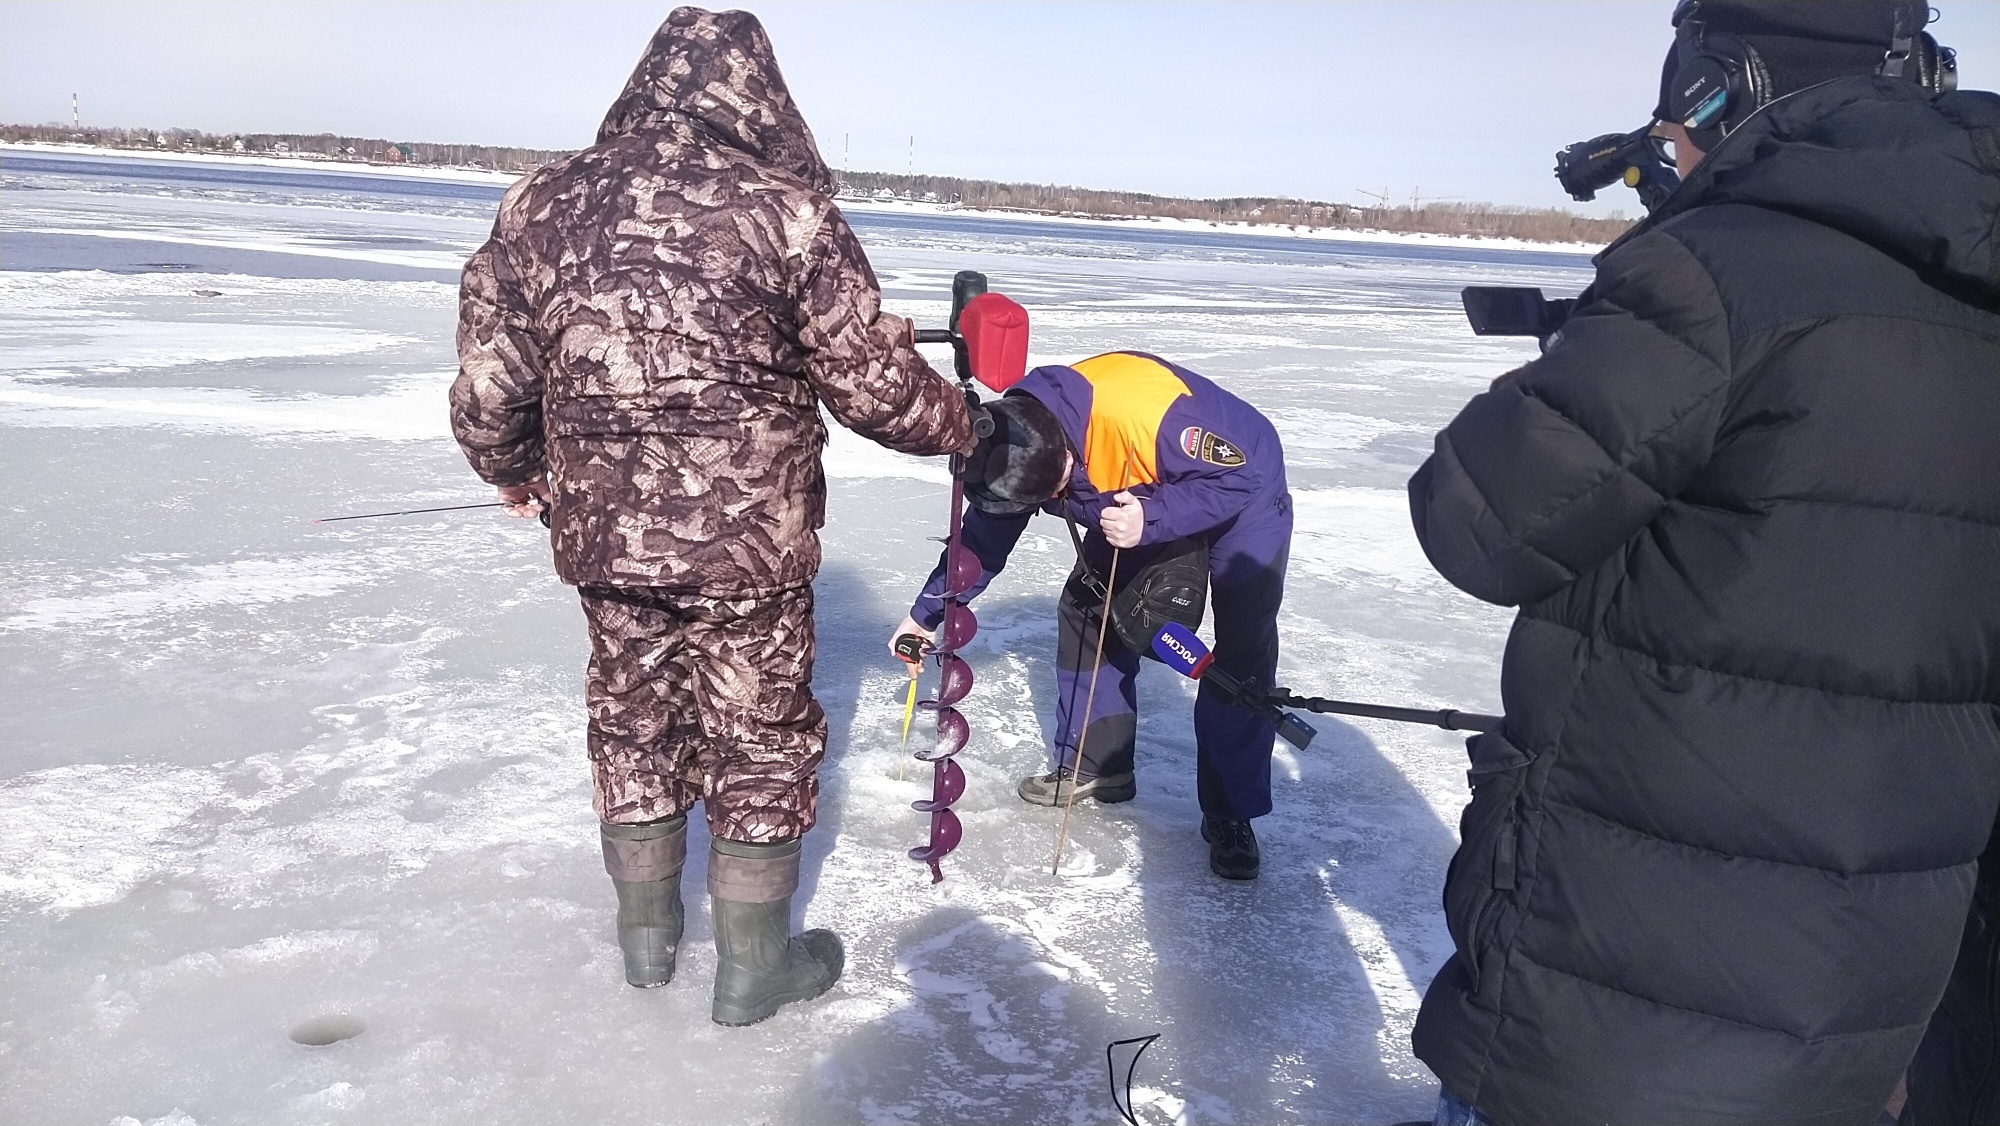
864, 362
1568, 458
496, 402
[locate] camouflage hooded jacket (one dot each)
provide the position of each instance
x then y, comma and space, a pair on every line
656, 320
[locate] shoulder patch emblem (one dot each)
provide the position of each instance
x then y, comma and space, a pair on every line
1191, 441
1217, 450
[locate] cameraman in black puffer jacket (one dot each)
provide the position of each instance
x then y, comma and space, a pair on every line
1718, 862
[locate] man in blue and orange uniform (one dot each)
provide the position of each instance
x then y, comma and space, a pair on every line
1143, 453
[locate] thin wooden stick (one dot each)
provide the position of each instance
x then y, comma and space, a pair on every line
1090, 701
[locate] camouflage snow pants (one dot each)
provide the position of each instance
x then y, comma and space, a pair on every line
704, 698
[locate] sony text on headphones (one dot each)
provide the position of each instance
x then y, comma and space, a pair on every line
1720, 80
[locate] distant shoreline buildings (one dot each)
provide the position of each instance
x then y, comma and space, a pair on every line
1435, 217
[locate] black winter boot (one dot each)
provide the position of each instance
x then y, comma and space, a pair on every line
645, 862
1232, 848
759, 964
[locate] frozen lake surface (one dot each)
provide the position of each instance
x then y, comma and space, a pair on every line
260, 778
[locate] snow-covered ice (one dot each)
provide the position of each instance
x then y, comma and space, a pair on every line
264, 781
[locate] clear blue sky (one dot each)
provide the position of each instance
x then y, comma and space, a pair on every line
1459, 98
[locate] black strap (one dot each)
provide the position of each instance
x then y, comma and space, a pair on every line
1087, 573
1900, 42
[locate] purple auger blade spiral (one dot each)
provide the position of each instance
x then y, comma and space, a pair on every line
952, 731
946, 832
958, 627
947, 786
954, 678
961, 569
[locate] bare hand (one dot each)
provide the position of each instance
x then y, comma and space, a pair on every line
1124, 522
525, 500
909, 627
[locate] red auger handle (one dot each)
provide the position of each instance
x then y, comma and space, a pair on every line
995, 328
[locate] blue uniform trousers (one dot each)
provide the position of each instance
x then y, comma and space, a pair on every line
1247, 556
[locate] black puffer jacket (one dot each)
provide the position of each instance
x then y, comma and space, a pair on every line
1717, 862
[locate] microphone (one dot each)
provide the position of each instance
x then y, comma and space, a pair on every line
1180, 650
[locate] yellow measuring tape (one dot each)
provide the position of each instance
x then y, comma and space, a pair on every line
909, 709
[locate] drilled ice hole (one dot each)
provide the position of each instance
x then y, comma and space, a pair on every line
329, 1029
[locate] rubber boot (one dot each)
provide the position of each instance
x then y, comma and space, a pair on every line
645, 862
759, 964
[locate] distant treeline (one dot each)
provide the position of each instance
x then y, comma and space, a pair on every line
326, 146
1483, 220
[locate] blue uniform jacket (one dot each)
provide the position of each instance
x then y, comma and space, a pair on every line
1194, 454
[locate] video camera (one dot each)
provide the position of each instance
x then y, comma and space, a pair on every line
1515, 310
1638, 159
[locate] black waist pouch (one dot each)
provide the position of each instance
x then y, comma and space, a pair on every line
1171, 587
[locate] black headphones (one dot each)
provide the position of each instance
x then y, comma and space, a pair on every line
1719, 80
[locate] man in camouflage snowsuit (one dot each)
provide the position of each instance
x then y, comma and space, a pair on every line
645, 344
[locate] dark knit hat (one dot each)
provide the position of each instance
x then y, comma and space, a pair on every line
1018, 467
1801, 43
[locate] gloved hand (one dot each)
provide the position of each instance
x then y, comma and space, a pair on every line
908, 628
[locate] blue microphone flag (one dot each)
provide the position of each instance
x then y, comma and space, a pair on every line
1179, 649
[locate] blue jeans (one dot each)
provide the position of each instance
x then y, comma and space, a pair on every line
1452, 1112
